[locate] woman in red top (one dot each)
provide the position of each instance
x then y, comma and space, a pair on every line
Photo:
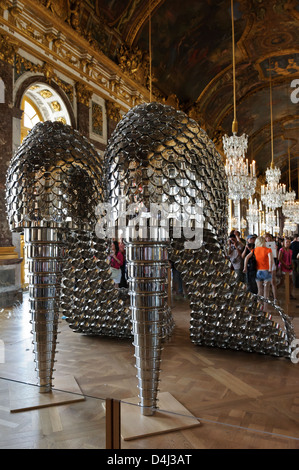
116, 262
264, 261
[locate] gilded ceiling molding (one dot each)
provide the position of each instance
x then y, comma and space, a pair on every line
56, 42
45, 69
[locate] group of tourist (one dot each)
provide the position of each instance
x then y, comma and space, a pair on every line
259, 261
264, 261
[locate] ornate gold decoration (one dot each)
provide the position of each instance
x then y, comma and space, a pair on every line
50, 36
67, 55
46, 93
134, 63
84, 93
29, 29
56, 40
55, 106
57, 43
8, 53
113, 111
61, 119
46, 70
4, 4
15, 11
8, 48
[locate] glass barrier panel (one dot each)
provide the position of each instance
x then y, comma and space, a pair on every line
208, 398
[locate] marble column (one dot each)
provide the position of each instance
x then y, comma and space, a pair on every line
10, 259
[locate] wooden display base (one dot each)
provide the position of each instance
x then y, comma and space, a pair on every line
175, 417
25, 397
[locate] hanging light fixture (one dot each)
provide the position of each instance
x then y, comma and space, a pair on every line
253, 213
289, 226
273, 194
288, 207
295, 206
241, 181
271, 220
234, 146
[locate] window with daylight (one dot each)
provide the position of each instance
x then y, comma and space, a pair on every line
31, 116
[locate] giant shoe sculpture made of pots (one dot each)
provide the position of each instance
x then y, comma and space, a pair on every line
156, 156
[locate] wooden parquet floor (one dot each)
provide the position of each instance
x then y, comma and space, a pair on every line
243, 400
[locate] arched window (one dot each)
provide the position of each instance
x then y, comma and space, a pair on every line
42, 103
30, 117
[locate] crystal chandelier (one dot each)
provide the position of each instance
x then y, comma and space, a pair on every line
288, 207
273, 194
290, 226
252, 213
295, 212
235, 146
271, 220
295, 205
243, 223
241, 182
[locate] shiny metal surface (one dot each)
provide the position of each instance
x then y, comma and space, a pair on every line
142, 270
53, 180
223, 313
154, 286
148, 301
89, 299
44, 296
157, 155
37, 234
152, 252
54, 183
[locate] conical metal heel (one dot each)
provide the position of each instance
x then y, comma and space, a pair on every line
45, 247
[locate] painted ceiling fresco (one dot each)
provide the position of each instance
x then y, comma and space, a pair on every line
192, 62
